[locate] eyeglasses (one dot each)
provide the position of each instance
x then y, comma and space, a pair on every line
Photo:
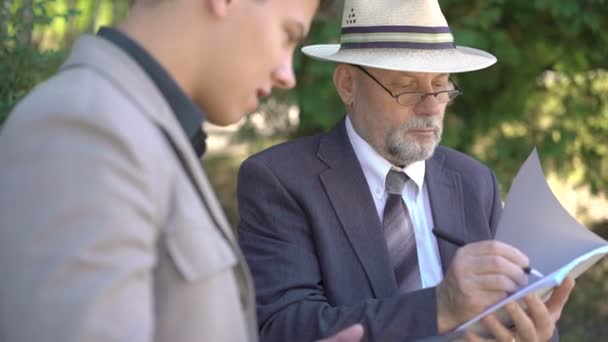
409, 98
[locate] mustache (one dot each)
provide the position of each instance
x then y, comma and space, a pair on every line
422, 122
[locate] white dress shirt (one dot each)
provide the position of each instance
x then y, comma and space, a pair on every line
416, 198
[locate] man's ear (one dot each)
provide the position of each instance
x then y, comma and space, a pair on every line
344, 83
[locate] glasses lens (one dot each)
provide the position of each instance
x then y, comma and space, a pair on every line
409, 98
452, 94
445, 96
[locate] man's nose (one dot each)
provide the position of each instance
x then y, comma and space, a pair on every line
283, 76
428, 105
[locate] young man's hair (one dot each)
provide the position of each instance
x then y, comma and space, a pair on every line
330, 9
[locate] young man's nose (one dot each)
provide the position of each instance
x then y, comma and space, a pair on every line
284, 77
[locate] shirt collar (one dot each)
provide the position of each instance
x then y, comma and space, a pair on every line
187, 113
376, 167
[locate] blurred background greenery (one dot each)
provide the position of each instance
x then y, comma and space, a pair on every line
549, 89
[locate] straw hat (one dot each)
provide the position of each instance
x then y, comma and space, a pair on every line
405, 35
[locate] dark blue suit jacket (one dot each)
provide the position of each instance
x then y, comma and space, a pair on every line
311, 234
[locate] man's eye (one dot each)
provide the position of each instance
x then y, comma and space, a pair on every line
292, 37
406, 88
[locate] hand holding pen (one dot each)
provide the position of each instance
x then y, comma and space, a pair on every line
482, 272
479, 275
443, 235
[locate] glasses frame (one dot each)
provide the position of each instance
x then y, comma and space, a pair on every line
455, 92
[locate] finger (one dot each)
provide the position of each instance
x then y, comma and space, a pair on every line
499, 283
494, 264
351, 334
525, 328
538, 312
493, 247
498, 330
558, 299
472, 337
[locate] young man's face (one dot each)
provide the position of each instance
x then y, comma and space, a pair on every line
254, 55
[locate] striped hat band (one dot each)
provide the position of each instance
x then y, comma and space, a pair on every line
404, 37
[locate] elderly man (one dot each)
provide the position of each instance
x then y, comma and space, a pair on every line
337, 227
110, 230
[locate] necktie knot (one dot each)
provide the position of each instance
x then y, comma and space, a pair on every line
395, 181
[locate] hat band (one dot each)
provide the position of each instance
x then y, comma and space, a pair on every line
407, 37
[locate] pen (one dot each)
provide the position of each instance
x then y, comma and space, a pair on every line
458, 242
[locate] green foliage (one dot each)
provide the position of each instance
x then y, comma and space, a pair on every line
320, 108
548, 88
22, 63
545, 91
586, 313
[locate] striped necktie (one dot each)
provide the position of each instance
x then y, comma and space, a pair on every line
399, 235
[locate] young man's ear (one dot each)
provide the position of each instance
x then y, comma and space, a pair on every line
344, 82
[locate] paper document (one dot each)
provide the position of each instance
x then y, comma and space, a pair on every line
535, 222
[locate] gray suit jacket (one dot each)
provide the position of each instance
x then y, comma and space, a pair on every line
103, 237
312, 237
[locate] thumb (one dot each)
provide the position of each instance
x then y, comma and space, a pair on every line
558, 299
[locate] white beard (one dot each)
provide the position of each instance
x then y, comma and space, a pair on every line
406, 151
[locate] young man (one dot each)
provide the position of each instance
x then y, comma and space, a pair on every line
337, 227
110, 230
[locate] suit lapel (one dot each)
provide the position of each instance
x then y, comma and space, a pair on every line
345, 181
349, 195
447, 204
